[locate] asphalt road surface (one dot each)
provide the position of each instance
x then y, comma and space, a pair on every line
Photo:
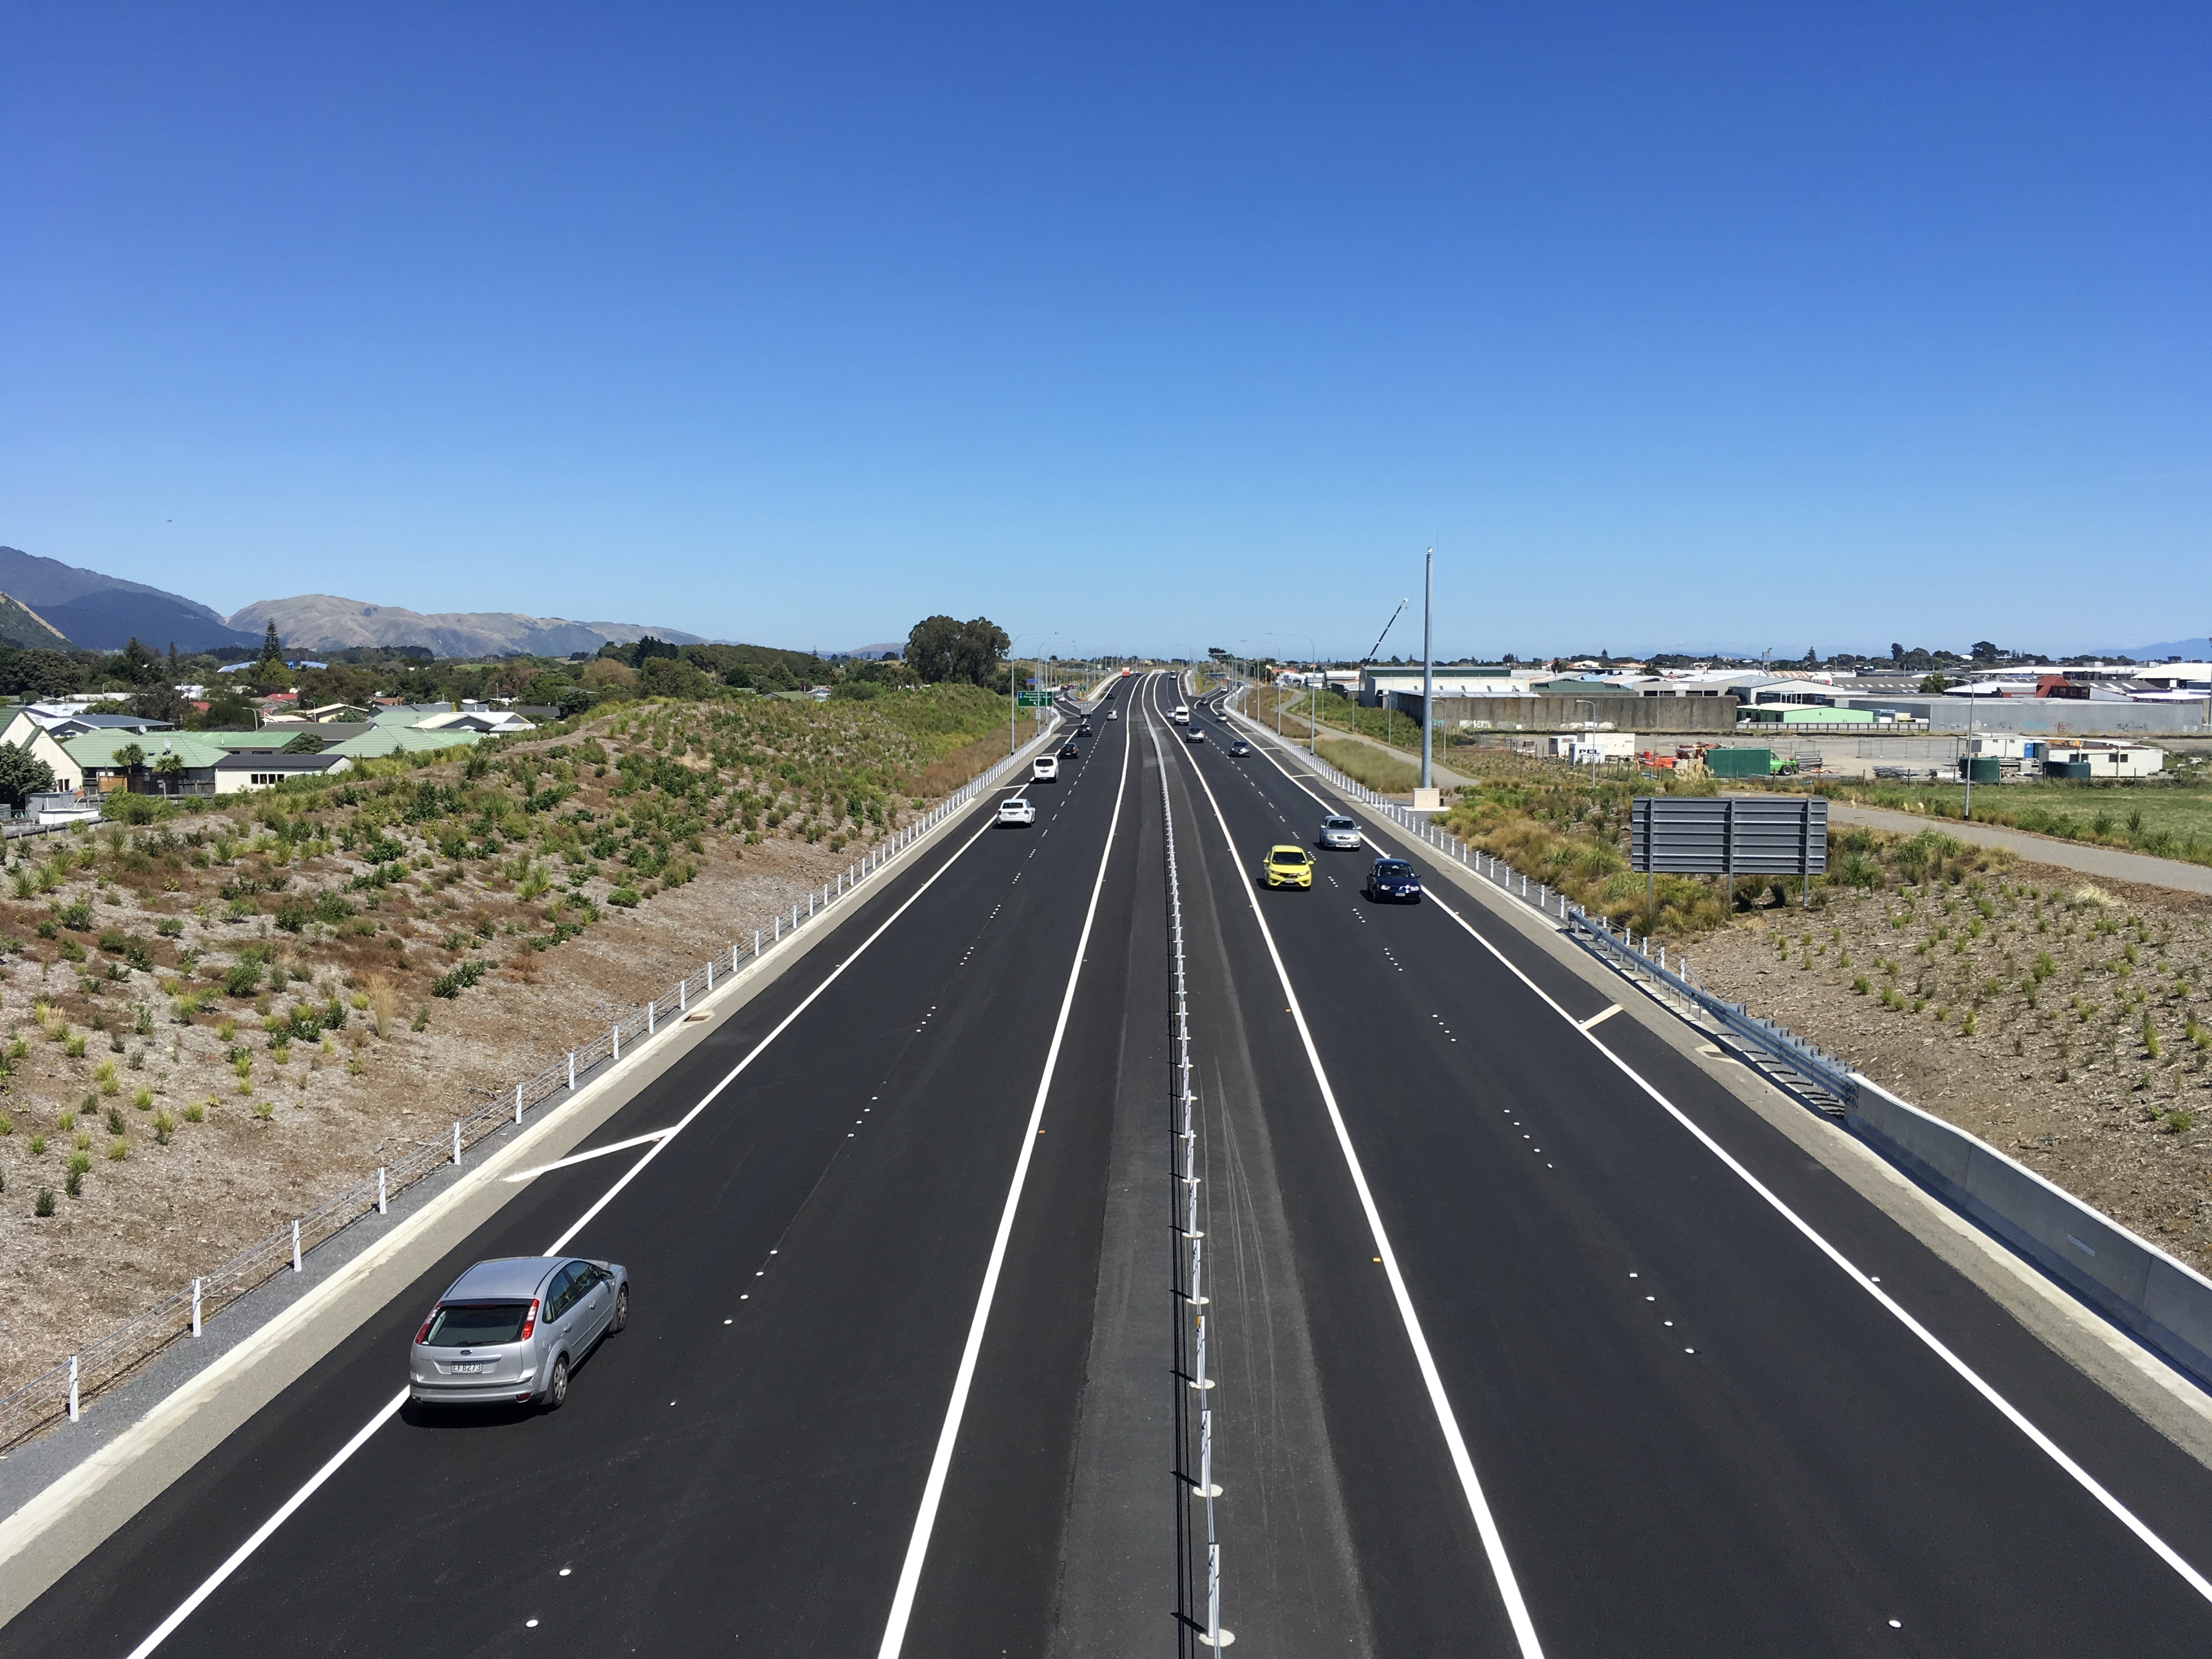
1528, 1338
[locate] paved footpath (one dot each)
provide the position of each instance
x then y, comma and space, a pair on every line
2043, 849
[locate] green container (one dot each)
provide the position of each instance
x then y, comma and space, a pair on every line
1983, 768
1740, 762
2066, 768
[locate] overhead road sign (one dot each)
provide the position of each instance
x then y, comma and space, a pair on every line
1034, 699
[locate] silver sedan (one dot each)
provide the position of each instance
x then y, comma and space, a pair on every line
511, 1330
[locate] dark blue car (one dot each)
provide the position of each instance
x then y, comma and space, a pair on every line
1394, 878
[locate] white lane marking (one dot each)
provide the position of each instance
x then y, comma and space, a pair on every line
1599, 1018
2012, 1413
940, 1464
238, 1555
261, 1536
1493, 1543
585, 1158
2035, 1437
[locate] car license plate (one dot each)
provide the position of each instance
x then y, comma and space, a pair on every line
466, 1371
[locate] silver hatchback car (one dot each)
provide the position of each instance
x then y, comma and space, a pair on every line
1338, 832
510, 1331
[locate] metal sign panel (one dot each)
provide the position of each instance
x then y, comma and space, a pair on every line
1034, 699
1728, 835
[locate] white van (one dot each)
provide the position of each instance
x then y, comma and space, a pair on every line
1181, 714
1045, 769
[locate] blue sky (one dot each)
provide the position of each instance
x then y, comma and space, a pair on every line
1135, 328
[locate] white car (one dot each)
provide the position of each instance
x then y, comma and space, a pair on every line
1112, 714
1015, 810
1338, 832
1180, 714
1045, 768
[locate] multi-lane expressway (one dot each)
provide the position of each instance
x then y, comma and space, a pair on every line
1529, 1336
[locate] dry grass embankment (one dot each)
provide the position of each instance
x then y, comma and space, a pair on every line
209, 1023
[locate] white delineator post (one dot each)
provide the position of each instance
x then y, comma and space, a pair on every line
196, 1307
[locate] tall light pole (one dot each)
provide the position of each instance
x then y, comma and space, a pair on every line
1013, 683
1428, 660
1313, 719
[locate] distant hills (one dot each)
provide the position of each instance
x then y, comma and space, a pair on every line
322, 622
60, 607
26, 631
103, 613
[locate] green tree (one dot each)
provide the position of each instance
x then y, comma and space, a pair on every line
22, 773
306, 743
938, 648
160, 702
272, 648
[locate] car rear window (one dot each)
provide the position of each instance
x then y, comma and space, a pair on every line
1393, 868
1338, 823
1290, 855
476, 1324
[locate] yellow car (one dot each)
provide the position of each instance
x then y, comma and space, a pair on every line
1287, 867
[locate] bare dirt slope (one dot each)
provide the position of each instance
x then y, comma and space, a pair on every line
220, 1021
2057, 1019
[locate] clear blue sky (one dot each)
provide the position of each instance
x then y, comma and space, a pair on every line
1158, 327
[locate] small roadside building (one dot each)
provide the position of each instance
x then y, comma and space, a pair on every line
265, 768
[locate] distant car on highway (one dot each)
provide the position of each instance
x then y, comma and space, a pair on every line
1394, 878
1069, 751
1112, 714
1338, 833
510, 1331
1015, 810
1193, 736
1238, 746
1180, 714
1287, 867
1045, 768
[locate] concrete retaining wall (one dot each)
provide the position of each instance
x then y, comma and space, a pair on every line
2165, 1304
2047, 716
1709, 715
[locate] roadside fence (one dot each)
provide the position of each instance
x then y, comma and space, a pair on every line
59, 1393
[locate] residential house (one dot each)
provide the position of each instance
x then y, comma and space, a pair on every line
380, 740
493, 722
264, 770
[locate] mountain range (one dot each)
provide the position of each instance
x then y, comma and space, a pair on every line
46, 603
100, 612
322, 622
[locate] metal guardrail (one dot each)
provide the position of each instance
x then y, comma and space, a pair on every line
59, 1392
1818, 1068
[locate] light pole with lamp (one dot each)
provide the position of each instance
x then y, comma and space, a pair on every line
1428, 661
1013, 683
1313, 719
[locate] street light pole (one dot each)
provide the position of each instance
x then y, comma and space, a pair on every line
1013, 682
1428, 659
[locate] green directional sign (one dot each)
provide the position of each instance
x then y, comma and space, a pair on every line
1034, 699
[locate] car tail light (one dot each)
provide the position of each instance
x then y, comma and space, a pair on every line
529, 1322
420, 1335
